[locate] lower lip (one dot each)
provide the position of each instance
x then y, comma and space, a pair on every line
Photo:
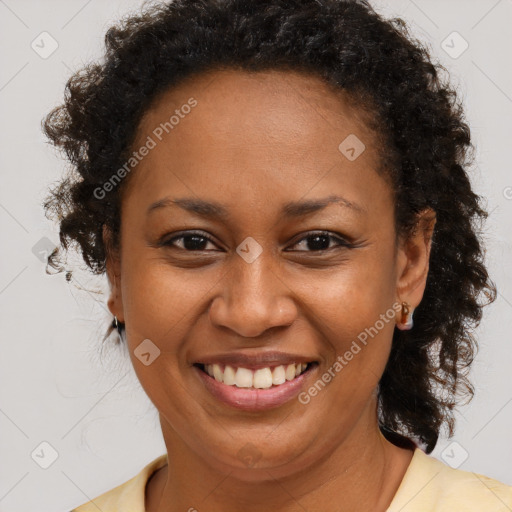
250, 399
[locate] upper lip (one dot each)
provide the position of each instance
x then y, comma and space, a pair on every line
254, 360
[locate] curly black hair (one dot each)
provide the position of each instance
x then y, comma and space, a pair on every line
425, 153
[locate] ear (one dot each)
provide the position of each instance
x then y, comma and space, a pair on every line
413, 259
113, 266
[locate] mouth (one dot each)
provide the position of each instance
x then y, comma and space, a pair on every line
260, 378
255, 389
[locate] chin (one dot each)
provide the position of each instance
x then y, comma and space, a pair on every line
256, 461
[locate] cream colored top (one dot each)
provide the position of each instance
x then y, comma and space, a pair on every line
428, 486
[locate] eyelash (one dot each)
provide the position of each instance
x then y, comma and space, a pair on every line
341, 242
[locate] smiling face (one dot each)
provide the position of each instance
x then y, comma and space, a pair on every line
261, 268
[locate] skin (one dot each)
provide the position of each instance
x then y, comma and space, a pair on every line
253, 143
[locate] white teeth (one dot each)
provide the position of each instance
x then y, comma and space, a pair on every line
262, 378
290, 372
243, 378
229, 376
278, 375
217, 373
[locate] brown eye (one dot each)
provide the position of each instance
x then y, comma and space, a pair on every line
190, 242
197, 241
321, 241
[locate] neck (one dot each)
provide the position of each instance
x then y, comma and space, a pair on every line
361, 473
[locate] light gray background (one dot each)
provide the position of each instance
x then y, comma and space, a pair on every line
54, 385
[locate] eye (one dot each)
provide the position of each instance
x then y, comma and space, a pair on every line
321, 241
191, 241
198, 241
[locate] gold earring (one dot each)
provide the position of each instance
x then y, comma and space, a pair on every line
406, 321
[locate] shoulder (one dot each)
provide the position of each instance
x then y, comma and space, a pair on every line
431, 485
127, 497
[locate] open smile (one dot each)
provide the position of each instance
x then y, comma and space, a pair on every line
254, 389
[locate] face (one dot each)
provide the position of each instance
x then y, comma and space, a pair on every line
296, 260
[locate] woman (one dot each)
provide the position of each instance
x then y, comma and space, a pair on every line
277, 191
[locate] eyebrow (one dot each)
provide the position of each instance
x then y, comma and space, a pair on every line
292, 209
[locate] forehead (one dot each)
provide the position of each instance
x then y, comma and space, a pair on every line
275, 127
264, 104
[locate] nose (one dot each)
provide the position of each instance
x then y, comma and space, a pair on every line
253, 299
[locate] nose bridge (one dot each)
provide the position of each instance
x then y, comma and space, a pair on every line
253, 297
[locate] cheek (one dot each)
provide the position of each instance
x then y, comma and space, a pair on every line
356, 313
159, 300
352, 297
